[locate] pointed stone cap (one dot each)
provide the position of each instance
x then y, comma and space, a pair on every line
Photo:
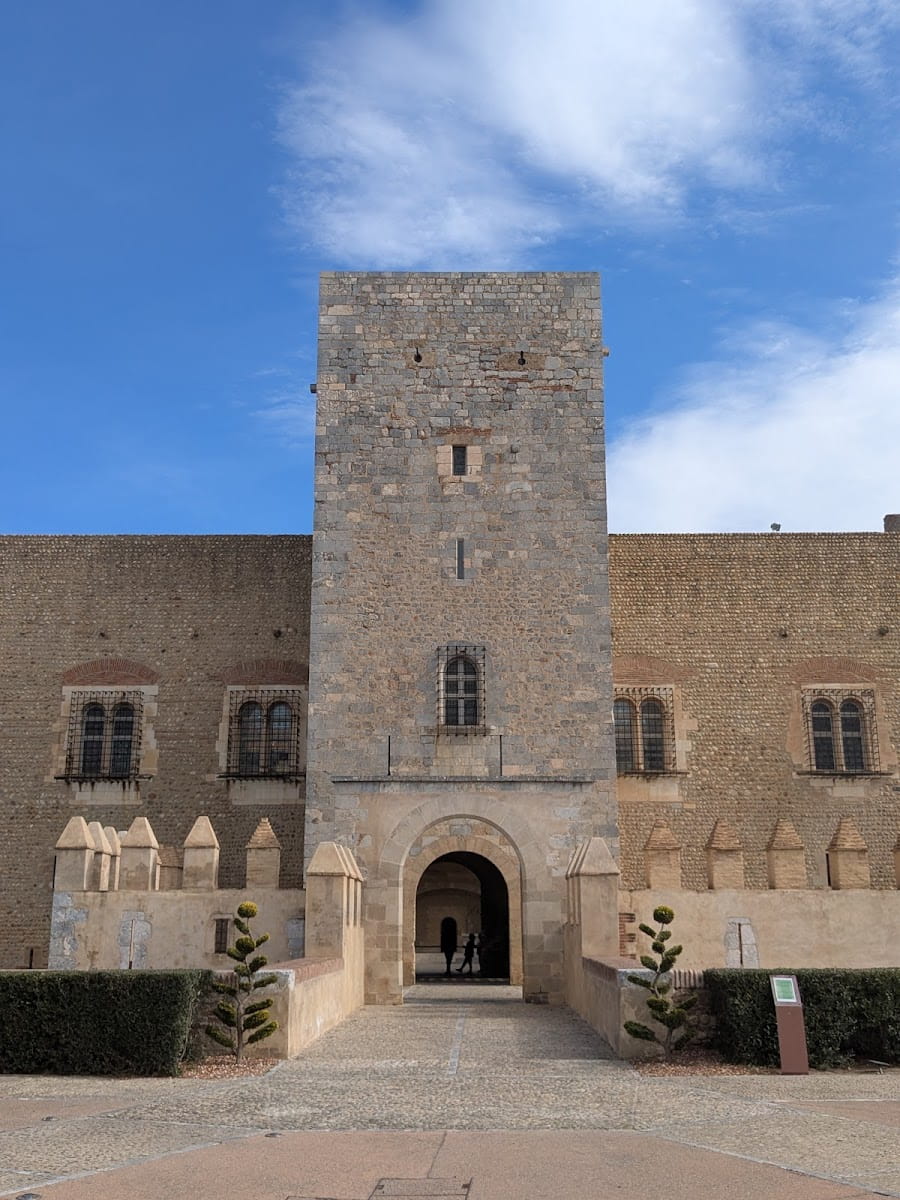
597, 859
202, 836
785, 836
76, 836
101, 841
140, 835
662, 838
264, 837
331, 859
723, 837
115, 846
169, 856
847, 836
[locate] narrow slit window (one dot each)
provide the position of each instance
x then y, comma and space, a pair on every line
221, 936
460, 558
460, 460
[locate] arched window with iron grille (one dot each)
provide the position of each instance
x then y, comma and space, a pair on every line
122, 741
461, 691
643, 724
653, 735
93, 729
822, 720
625, 723
280, 740
266, 730
250, 738
853, 739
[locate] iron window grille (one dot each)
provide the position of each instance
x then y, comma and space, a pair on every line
461, 689
841, 731
644, 724
264, 734
104, 735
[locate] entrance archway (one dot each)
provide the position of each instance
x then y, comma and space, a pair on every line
467, 843
468, 890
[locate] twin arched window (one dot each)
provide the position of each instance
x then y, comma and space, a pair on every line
840, 740
106, 743
265, 739
642, 737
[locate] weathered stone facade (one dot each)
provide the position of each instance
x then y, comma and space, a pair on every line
193, 614
742, 627
460, 513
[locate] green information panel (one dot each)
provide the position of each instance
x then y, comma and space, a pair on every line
784, 989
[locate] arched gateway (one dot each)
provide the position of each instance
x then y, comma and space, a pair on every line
482, 889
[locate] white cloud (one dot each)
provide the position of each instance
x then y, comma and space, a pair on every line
783, 427
472, 131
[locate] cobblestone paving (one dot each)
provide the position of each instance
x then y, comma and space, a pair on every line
455, 1058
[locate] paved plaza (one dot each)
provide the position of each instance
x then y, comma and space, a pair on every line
464, 1091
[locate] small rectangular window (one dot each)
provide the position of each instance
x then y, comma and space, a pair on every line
460, 558
460, 457
222, 924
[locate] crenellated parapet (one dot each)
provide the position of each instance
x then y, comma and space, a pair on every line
724, 858
662, 858
786, 857
848, 857
94, 858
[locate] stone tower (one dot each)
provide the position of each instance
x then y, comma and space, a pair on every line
460, 690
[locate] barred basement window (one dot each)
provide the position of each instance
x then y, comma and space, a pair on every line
461, 688
644, 730
264, 734
841, 731
103, 739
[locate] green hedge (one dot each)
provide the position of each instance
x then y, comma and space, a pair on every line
847, 1013
96, 1022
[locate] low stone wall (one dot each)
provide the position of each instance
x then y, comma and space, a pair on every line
153, 930
315, 995
810, 927
603, 995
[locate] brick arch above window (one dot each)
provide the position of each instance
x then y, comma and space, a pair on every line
831, 671
110, 672
267, 671
645, 670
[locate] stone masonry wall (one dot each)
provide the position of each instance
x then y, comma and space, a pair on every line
187, 609
740, 624
509, 366
531, 511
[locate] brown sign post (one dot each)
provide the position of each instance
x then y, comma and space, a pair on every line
791, 1029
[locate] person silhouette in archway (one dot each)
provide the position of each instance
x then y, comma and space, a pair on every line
448, 941
468, 955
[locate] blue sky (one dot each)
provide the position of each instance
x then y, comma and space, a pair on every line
177, 175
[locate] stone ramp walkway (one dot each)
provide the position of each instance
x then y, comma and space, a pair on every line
504, 1078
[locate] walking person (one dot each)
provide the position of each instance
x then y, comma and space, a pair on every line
468, 955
